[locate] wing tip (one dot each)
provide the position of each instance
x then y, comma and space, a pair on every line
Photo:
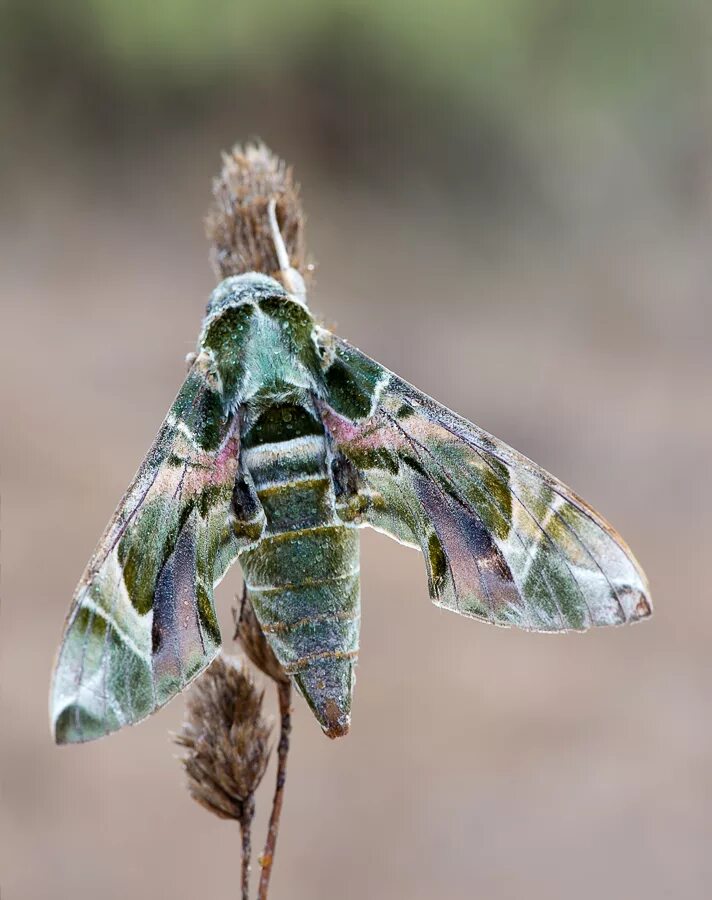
75, 725
643, 608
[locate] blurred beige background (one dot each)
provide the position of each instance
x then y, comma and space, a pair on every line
510, 205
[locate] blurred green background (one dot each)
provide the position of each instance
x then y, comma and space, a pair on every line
510, 205
475, 97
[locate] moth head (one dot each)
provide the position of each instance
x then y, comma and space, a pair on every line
250, 287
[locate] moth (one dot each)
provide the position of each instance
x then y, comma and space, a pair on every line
283, 441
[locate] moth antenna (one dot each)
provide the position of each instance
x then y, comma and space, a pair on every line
292, 279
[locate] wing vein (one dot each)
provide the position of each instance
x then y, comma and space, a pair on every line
483, 456
531, 552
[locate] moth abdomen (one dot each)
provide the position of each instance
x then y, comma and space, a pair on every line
302, 578
304, 588
297, 504
284, 451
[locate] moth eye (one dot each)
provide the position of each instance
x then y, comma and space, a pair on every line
325, 350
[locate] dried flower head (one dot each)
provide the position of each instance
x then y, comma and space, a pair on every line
226, 738
238, 225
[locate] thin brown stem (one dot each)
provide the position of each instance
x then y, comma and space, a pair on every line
246, 832
284, 691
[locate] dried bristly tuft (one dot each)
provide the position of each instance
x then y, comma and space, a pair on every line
226, 741
250, 635
238, 225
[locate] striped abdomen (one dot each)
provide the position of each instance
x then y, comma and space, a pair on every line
303, 576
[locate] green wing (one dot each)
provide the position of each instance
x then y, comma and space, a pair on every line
142, 624
503, 540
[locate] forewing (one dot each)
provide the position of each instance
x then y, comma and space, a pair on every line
504, 541
142, 624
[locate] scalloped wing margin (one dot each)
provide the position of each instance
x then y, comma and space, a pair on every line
503, 540
142, 623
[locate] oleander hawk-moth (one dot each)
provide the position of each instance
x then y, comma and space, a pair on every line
282, 442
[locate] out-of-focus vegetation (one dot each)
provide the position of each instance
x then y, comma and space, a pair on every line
577, 49
498, 84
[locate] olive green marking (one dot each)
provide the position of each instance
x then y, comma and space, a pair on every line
157, 526
296, 505
311, 640
550, 587
306, 583
437, 564
351, 380
94, 646
538, 502
90, 624
497, 516
207, 421
295, 321
191, 388
228, 337
309, 482
76, 724
316, 619
250, 530
130, 678
365, 458
487, 489
330, 596
346, 395
216, 496
282, 423
392, 507
366, 371
351, 509
293, 557
221, 556
405, 411
483, 485
199, 408
206, 615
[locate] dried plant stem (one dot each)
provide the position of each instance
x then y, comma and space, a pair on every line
284, 691
246, 832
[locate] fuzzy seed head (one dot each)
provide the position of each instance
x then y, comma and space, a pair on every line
238, 224
226, 740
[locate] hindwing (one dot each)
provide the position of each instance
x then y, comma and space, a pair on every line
504, 541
